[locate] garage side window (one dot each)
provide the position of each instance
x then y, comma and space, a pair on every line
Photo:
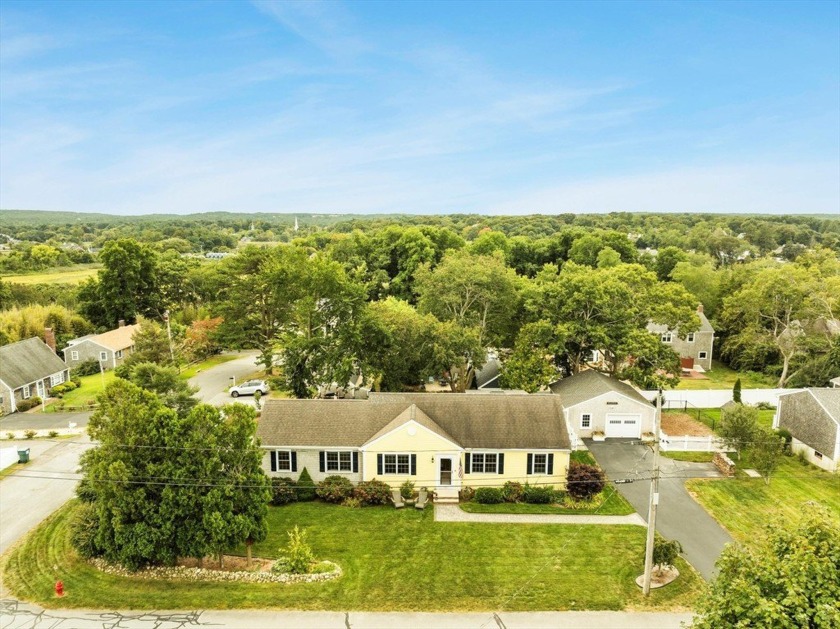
586, 420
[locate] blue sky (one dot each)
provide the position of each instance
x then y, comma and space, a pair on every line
425, 107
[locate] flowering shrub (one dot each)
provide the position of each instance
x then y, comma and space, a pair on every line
334, 489
373, 492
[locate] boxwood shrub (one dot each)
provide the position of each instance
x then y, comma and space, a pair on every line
489, 495
305, 487
539, 494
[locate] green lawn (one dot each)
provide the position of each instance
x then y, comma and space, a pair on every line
746, 505
583, 456
64, 275
689, 457
615, 504
78, 398
219, 359
392, 560
721, 376
711, 416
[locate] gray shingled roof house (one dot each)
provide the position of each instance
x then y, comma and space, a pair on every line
28, 368
439, 440
812, 416
596, 403
695, 345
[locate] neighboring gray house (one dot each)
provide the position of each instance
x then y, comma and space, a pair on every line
109, 349
488, 377
696, 346
27, 369
594, 402
812, 416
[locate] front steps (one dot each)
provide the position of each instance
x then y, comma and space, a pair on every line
446, 495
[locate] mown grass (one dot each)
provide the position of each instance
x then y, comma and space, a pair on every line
91, 387
63, 275
689, 457
192, 370
614, 504
392, 560
721, 376
745, 506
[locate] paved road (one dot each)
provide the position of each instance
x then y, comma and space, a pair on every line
43, 421
213, 383
678, 515
15, 615
35, 491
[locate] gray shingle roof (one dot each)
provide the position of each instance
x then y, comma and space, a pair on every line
830, 401
488, 375
589, 384
26, 361
705, 326
473, 421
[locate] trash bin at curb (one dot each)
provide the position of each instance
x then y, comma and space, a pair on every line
23, 456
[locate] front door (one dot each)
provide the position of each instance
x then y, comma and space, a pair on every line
40, 387
445, 471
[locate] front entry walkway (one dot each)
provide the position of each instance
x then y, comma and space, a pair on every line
454, 513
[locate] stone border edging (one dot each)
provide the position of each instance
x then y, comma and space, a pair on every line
208, 574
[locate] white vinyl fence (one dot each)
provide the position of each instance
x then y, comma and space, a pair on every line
715, 398
691, 444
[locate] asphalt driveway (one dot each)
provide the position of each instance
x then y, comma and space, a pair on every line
213, 383
678, 515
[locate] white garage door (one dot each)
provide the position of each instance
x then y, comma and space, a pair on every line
624, 426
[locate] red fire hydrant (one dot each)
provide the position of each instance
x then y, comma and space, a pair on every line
59, 588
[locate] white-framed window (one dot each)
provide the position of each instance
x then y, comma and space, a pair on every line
26, 392
666, 337
702, 355
690, 337
396, 463
339, 461
118, 354
540, 464
484, 462
56, 379
284, 460
74, 355
596, 356
586, 420
103, 356
818, 455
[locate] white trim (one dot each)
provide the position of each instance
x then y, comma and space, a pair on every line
13, 405
646, 403
701, 357
277, 460
456, 461
484, 453
623, 421
396, 456
74, 354
365, 446
26, 391
118, 353
101, 359
670, 336
533, 471
588, 417
40, 389
690, 337
327, 469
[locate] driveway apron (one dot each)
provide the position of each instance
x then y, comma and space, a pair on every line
678, 515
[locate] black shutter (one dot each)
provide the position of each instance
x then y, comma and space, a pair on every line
379, 465
551, 464
294, 461
355, 461
467, 461
321, 461
530, 463
414, 465
501, 458
273, 461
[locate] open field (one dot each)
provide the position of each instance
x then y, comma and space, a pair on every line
722, 377
66, 275
745, 506
392, 560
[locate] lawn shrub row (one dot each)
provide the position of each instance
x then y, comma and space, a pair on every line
335, 489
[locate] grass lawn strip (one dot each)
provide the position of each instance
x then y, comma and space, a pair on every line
745, 506
92, 386
689, 457
721, 376
392, 560
219, 359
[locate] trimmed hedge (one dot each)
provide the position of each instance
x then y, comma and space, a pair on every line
25, 405
538, 494
305, 487
334, 489
513, 491
584, 481
489, 495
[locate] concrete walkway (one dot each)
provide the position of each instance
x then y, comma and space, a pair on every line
454, 513
15, 615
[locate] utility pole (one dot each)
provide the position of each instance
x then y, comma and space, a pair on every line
654, 497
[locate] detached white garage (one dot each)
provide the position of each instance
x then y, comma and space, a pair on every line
594, 402
623, 425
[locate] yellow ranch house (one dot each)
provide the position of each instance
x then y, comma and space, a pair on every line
442, 441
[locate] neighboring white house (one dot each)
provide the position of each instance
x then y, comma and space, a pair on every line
594, 402
812, 416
